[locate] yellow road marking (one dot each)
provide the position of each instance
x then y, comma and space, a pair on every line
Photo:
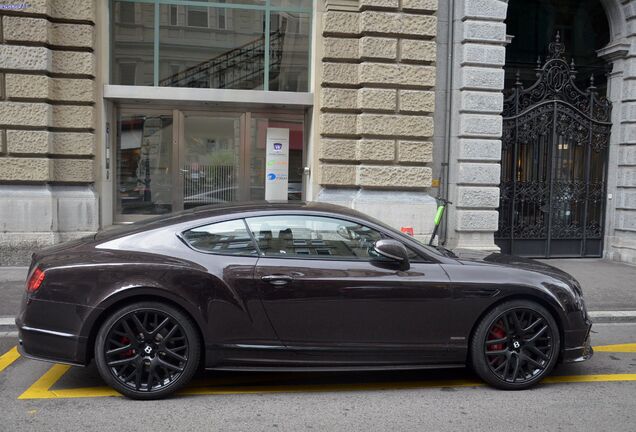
589, 378
41, 388
624, 348
9, 357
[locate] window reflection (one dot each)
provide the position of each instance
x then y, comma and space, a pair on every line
289, 58
144, 150
312, 236
210, 46
132, 43
226, 238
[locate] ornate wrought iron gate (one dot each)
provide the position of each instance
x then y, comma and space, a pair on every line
553, 165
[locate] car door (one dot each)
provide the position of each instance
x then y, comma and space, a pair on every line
327, 296
238, 331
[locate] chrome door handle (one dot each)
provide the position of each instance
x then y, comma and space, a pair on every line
277, 280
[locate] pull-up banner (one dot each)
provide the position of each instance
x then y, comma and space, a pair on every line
277, 164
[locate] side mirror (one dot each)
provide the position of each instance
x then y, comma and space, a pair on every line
393, 250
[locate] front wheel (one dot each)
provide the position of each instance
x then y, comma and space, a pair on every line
147, 350
515, 345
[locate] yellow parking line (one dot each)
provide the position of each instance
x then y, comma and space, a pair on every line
624, 348
41, 388
9, 357
589, 378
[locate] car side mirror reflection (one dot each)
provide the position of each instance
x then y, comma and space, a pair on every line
392, 250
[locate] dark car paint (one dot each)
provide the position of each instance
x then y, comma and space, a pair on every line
335, 313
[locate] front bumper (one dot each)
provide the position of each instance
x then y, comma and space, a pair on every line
582, 349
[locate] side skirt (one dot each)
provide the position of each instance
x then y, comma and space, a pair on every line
336, 368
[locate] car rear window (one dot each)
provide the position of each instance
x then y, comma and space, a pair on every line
225, 238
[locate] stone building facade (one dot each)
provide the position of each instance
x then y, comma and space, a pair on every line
47, 112
112, 111
479, 37
377, 100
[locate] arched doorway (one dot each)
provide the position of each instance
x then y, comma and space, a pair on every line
583, 28
556, 130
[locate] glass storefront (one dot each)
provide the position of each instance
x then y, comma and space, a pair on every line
179, 159
221, 44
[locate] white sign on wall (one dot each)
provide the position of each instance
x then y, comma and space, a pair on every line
277, 164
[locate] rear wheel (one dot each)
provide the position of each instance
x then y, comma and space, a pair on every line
147, 350
515, 345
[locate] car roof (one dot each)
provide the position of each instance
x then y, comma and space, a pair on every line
209, 211
255, 206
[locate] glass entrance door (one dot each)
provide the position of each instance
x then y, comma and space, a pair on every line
210, 157
169, 160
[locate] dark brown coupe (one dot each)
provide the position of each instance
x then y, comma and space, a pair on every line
292, 286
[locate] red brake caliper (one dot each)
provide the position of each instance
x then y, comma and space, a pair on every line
127, 353
497, 333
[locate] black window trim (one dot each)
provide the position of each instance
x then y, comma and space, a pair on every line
423, 258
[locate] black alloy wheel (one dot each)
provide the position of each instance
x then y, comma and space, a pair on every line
515, 345
147, 350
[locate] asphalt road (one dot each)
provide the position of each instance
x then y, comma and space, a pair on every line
73, 399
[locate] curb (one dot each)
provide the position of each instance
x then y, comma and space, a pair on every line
7, 324
13, 274
612, 316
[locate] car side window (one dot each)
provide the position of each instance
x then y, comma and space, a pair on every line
225, 238
312, 237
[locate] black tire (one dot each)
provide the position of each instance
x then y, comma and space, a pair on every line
515, 353
147, 350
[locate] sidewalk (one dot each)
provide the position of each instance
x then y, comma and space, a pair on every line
607, 286
12, 280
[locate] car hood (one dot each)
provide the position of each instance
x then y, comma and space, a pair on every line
474, 257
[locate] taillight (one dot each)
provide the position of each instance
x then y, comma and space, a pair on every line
35, 281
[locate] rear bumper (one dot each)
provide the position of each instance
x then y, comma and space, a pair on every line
52, 346
51, 331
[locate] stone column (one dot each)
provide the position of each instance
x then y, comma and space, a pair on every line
377, 83
476, 122
46, 109
620, 224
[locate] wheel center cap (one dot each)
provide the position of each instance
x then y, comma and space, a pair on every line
516, 344
148, 349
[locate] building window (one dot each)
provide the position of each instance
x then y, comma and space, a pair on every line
126, 13
222, 22
127, 73
174, 15
197, 16
220, 44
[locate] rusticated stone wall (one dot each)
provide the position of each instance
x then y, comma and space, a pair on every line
47, 98
376, 108
377, 98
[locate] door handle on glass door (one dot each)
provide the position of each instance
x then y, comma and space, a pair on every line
277, 280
